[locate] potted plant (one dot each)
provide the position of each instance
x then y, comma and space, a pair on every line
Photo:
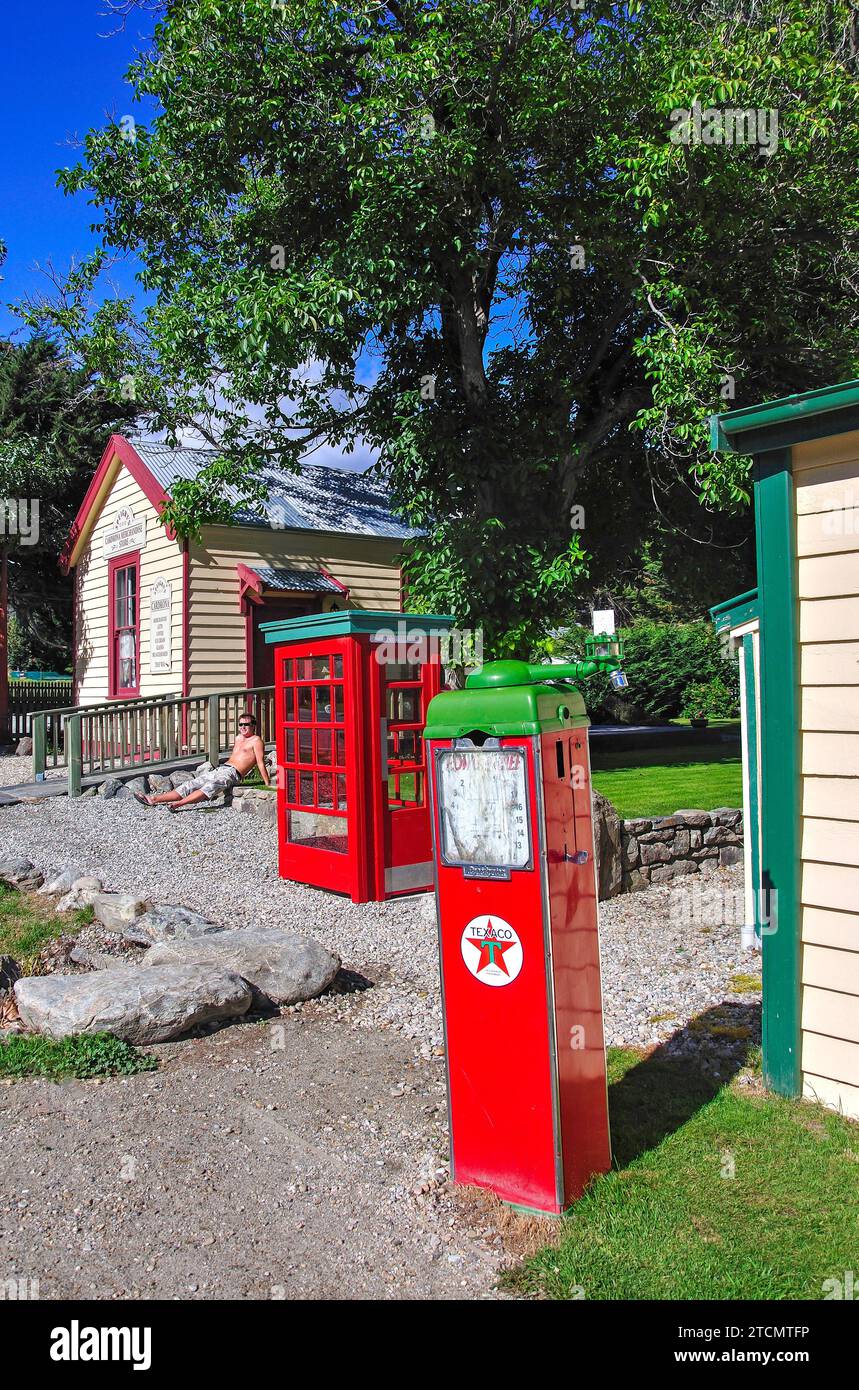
699, 719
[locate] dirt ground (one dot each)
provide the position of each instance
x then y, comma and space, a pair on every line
278, 1159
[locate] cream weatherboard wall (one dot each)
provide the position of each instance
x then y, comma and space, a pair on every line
160, 556
367, 565
826, 479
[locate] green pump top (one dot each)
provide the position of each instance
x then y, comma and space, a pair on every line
516, 698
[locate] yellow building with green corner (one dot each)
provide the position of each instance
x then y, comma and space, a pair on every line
805, 450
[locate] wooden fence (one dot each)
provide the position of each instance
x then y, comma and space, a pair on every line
26, 698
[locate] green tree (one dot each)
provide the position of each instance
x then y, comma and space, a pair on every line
477, 234
54, 424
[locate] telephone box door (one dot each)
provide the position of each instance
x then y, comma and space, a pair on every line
319, 757
404, 691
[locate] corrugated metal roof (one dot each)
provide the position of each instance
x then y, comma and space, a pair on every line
317, 499
298, 581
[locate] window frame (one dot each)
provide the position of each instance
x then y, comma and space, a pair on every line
131, 560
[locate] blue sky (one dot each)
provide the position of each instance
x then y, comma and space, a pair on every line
62, 66
58, 78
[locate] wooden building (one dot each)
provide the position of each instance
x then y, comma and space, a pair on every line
806, 480
154, 615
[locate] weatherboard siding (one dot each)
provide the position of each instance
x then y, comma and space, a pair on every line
160, 556
826, 478
367, 565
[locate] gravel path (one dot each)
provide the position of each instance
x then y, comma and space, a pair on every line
312, 1169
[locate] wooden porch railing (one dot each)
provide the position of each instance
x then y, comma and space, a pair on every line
99, 741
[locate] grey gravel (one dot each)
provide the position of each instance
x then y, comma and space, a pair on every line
657, 965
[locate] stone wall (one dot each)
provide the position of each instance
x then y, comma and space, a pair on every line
689, 842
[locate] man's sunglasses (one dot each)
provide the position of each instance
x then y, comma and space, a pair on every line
246, 724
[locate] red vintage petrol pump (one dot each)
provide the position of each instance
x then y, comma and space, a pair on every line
351, 695
518, 932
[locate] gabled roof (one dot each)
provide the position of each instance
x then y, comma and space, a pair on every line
317, 499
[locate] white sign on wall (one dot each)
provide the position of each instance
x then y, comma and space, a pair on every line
128, 532
160, 625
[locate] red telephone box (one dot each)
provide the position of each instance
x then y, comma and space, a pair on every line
352, 691
518, 935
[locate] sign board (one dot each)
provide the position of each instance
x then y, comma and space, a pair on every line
483, 807
128, 532
603, 622
160, 625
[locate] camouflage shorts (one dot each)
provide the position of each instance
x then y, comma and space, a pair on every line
211, 784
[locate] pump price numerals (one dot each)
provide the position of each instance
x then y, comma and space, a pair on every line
483, 807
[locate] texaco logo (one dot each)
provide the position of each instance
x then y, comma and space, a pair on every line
492, 950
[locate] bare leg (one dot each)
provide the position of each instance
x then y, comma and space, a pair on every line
190, 800
161, 798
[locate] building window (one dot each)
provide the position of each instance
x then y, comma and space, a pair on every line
125, 626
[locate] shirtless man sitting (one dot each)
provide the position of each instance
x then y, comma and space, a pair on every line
247, 750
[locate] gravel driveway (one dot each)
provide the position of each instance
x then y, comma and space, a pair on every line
298, 1168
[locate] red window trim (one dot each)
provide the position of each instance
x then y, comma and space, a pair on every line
118, 562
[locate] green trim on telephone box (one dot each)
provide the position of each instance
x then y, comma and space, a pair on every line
780, 768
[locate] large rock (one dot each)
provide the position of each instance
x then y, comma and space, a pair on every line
263, 807
116, 910
607, 847
140, 1006
25, 747
168, 923
283, 967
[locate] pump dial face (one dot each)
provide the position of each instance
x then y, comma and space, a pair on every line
483, 807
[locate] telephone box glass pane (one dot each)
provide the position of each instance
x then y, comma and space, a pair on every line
305, 704
323, 701
323, 746
483, 807
320, 667
317, 832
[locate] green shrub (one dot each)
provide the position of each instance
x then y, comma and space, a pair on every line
711, 699
82, 1056
662, 660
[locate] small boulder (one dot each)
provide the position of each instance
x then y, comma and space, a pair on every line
83, 893
59, 884
139, 1006
109, 787
166, 922
178, 777
283, 967
20, 873
25, 747
159, 782
116, 910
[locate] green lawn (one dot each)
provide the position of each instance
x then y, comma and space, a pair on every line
671, 1223
28, 922
657, 781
